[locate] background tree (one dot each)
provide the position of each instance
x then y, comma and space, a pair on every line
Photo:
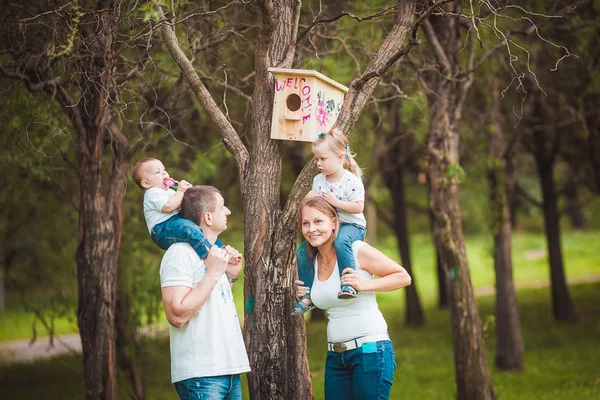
76, 56
396, 157
448, 90
502, 161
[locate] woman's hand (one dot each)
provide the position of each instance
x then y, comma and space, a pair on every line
352, 278
301, 290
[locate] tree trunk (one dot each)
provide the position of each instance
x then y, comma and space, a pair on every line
562, 307
414, 312
96, 273
575, 209
128, 349
2, 278
501, 178
442, 279
393, 161
472, 374
276, 341
371, 217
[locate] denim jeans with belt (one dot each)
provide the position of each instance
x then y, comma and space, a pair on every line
348, 234
225, 387
364, 373
181, 230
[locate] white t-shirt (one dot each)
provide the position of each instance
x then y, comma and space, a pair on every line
348, 188
211, 343
348, 319
154, 200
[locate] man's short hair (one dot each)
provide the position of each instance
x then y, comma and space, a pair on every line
198, 200
136, 173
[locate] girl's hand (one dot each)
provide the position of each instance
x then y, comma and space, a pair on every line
301, 290
352, 278
331, 198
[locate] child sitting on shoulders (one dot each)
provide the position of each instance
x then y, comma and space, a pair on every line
161, 209
339, 183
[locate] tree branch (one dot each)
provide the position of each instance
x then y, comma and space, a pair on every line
230, 137
440, 54
381, 13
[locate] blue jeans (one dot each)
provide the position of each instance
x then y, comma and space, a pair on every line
365, 373
348, 234
181, 230
225, 387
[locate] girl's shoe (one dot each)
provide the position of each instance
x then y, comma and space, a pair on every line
302, 307
347, 292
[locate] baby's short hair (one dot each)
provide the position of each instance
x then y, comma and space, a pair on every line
136, 173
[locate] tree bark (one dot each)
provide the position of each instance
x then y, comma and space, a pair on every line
562, 307
471, 370
501, 177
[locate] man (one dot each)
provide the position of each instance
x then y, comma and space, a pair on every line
207, 349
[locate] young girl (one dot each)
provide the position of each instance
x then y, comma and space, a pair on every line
339, 183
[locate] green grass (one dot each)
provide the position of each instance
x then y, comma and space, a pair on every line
561, 360
16, 323
579, 251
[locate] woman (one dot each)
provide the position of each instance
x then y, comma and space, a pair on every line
360, 358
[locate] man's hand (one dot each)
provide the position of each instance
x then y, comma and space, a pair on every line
183, 185
216, 261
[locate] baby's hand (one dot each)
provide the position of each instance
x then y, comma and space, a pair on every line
235, 256
183, 186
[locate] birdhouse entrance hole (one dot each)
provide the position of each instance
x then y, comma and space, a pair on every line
293, 102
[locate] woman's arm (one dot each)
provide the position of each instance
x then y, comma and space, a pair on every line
391, 275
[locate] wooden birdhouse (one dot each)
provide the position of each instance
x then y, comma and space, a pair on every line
306, 104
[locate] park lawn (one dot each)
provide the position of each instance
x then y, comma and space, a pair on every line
560, 359
16, 323
529, 258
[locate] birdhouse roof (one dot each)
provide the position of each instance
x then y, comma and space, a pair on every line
309, 72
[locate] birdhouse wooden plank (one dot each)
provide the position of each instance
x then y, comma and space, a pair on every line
306, 103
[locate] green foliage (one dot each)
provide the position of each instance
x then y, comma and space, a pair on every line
455, 171
37, 217
148, 10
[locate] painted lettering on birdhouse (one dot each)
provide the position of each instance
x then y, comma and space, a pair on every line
306, 103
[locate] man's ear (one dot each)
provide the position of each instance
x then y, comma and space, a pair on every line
207, 218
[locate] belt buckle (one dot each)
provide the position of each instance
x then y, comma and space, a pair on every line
339, 347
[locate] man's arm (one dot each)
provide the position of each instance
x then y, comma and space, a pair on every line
182, 303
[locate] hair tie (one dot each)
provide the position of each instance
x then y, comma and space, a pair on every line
321, 135
347, 150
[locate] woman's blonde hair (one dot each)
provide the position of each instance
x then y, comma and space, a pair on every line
319, 204
338, 143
